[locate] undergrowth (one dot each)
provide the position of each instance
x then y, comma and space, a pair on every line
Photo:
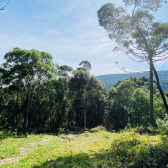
97, 148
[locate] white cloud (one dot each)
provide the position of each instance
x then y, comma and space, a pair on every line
159, 63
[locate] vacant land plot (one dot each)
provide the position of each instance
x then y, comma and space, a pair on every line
95, 148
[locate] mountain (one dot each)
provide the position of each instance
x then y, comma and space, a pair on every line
111, 79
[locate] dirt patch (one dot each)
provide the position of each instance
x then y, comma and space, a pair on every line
45, 139
23, 151
95, 142
98, 128
71, 136
84, 129
33, 144
9, 160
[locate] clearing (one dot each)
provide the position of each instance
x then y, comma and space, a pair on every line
95, 148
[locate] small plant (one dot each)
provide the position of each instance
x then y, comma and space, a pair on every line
63, 130
75, 128
140, 130
162, 124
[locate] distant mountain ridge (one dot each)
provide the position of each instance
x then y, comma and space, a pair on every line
111, 79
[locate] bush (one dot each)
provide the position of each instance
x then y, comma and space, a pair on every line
63, 130
162, 124
75, 128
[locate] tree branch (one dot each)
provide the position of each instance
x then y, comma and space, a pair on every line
5, 5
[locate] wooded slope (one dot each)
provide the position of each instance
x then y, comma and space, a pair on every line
111, 79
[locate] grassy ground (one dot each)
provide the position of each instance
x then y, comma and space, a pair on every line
95, 148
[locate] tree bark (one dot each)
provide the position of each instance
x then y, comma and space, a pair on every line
27, 114
85, 113
160, 89
151, 75
151, 90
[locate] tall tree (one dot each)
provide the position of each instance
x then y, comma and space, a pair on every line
64, 70
78, 83
26, 70
138, 34
86, 65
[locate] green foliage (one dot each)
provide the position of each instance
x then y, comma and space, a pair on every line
75, 128
62, 130
138, 34
86, 65
64, 70
129, 101
162, 124
131, 28
41, 101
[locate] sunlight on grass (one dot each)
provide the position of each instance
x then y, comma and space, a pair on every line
93, 148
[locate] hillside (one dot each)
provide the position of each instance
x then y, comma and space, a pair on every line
111, 79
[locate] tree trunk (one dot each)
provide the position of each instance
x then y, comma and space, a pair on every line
160, 89
69, 120
85, 118
151, 90
27, 114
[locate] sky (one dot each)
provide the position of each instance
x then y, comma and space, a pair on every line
69, 31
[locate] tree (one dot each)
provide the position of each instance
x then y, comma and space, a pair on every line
5, 4
88, 97
86, 65
130, 103
121, 95
138, 34
64, 70
25, 71
78, 84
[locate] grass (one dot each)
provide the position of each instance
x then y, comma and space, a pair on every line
95, 148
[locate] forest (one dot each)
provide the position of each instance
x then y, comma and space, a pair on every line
37, 94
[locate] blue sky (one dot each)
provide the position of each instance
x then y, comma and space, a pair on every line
69, 31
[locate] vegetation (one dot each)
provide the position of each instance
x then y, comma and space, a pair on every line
37, 95
50, 114
139, 35
93, 148
41, 104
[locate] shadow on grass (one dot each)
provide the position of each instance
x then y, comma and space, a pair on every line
122, 154
8, 133
5, 135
